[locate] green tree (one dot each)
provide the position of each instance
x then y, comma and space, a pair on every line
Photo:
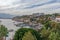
3, 31
45, 33
20, 33
47, 25
28, 36
50, 31
54, 36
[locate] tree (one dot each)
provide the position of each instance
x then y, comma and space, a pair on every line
3, 31
47, 25
45, 33
28, 36
20, 33
50, 31
54, 36
52, 25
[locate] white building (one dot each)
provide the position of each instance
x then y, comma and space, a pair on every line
57, 19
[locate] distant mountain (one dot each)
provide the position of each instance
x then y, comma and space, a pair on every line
8, 16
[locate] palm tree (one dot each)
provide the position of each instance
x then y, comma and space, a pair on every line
3, 32
29, 36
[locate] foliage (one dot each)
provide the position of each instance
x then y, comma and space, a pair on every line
3, 31
51, 31
54, 36
28, 36
20, 33
45, 33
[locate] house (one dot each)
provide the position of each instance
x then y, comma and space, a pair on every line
57, 19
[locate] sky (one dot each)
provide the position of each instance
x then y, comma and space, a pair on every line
22, 7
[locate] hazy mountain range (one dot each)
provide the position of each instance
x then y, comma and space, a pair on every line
3, 16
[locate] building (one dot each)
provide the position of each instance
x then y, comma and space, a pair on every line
38, 14
57, 19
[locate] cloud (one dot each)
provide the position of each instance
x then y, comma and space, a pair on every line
29, 6
24, 3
